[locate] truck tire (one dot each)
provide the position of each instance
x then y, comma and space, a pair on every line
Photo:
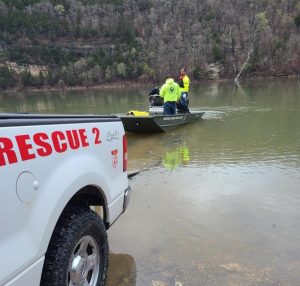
78, 250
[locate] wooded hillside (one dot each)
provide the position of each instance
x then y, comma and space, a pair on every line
87, 42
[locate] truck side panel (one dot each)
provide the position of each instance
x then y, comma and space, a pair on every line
42, 168
30, 276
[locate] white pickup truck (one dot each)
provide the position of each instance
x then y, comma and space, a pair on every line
54, 171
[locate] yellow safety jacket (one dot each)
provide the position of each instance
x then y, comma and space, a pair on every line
186, 84
170, 91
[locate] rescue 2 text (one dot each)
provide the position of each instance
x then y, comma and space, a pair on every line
25, 147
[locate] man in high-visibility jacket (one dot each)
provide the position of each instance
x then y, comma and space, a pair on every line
184, 83
170, 92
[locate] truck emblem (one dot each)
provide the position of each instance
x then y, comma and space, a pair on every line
112, 136
114, 154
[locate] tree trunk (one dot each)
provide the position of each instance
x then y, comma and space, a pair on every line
236, 79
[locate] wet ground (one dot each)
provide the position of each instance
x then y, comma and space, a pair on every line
216, 202
205, 227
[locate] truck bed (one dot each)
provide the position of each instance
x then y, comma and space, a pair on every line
27, 119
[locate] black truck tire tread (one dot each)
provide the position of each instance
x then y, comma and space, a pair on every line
74, 222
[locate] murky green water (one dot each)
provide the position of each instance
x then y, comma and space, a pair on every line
216, 202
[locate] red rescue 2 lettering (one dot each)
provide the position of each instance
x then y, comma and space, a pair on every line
41, 144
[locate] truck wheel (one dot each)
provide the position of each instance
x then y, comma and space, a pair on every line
78, 251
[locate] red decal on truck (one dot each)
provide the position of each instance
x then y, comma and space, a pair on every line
28, 147
114, 154
73, 139
59, 139
96, 131
83, 137
40, 140
25, 147
7, 152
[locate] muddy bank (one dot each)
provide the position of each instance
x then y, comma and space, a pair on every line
115, 85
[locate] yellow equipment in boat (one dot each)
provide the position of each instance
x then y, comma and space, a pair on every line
138, 113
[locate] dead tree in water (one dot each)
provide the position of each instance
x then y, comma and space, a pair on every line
245, 64
260, 23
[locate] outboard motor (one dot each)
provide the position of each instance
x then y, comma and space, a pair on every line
154, 98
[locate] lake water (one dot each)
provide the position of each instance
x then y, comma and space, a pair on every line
216, 202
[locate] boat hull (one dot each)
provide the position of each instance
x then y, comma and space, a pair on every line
157, 123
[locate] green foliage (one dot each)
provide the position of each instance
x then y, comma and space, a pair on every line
64, 3
37, 81
60, 9
41, 79
262, 20
68, 75
52, 76
17, 22
6, 77
148, 71
20, 4
92, 2
297, 20
197, 73
108, 73
209, 17
27, 78
144, 5
217, 54
216, 37
254, 61
43, 55
279, 43
125, 33
121, 69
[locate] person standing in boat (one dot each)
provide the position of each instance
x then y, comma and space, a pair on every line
184, 83
170, 92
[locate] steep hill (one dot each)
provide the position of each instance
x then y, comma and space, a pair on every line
85, 42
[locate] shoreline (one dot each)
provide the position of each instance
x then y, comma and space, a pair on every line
122, 84
117, 85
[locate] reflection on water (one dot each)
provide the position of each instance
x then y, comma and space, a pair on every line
218, 201
74, 102
176, 157
121, 271
167, 149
